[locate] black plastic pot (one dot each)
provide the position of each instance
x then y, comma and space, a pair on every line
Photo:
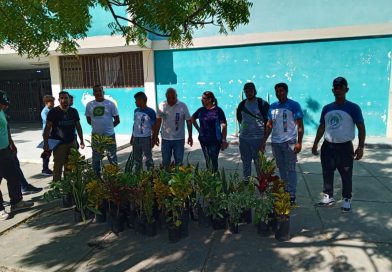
219, 223
273, 223
174, 233
246, 216
140, 226
184, 227
234, 228
116, 223
67, 201
263, 228
203, 219
283, 229
77, 216
150, 229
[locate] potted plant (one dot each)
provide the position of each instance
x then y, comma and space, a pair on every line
96, 195
60, 189
282, 209
147, 204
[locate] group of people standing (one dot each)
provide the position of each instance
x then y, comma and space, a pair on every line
283, 120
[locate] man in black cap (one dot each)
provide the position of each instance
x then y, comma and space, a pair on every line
337, 124
252, 115
8, 168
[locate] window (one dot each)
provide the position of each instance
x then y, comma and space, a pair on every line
110, 70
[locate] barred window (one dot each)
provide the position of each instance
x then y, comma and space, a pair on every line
110, 70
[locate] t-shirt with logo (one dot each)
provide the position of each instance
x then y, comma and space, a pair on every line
284, 117
173, 120
340, 121
101, 114
252, 127
64, 124
4, 140
210, 124
143, 121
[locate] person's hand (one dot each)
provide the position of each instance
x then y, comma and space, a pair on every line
46, 146
154, 141
224, 146
262, 147
13, 148
314, 150
190, 140
82, 145
297, 148
358, 154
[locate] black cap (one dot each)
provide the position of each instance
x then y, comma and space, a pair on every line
249, 85
4, 100
340, 81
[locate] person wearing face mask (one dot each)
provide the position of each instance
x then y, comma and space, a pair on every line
172, 115
337, 125
285, 121
252, 115
212, 129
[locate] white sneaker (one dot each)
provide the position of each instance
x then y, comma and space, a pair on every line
326, 201
346, 205
4, 215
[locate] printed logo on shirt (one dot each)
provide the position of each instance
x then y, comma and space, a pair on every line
335, 120
98, 111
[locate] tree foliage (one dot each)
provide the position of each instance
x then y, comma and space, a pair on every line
31, 26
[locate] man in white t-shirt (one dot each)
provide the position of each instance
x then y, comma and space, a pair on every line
173, 114
102, 115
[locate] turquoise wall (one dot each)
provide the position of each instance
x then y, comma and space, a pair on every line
308, 68
284, 15
122, 97
100, 20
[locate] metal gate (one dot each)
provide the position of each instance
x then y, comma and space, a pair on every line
26, 98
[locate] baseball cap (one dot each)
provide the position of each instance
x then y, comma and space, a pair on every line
340, 81
4, 98
249, 85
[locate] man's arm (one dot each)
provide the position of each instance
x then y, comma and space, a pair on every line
300, 132
189, 127
11, 142
88, 120
155, 132
47, 130
80, 134
319, 135
361, 144
267, 133
116, 120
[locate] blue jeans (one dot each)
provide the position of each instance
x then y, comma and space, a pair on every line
142, 147
286, 161
249, 150
211, 154
172, 147
112, 155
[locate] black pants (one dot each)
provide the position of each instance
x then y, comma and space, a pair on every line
211, 153
340, 157
9, 171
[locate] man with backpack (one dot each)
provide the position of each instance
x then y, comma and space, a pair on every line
252, 115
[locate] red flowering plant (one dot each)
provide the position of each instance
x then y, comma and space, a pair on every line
266, 173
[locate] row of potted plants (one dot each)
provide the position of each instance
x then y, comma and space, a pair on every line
146, 200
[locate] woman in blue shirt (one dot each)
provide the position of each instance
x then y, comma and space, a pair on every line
212, 129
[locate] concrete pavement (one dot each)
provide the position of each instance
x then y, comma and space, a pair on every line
324, 239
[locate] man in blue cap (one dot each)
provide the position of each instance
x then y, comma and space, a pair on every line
337, 124
8, 168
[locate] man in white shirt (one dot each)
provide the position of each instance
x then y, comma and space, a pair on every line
102, 115
173, 114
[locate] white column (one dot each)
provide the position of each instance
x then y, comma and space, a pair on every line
149, 78
389, 112
55, 76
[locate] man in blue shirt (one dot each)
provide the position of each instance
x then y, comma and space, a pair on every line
145, 132
337, 124
49, 104
285, 121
